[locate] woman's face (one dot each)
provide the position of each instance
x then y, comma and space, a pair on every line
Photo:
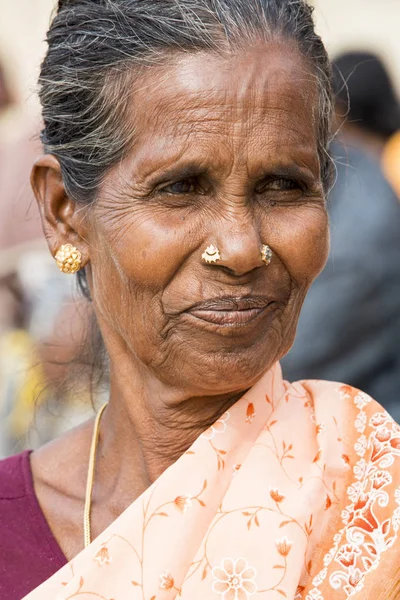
225, 154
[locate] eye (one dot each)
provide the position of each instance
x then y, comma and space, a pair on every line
278, 185
184, 186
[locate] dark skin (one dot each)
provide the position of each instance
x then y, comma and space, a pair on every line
225, 153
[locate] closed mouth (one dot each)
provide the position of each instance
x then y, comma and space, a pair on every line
230, 311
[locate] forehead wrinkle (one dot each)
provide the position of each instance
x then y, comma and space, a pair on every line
216, 106
195, 115
207, 82
229, 120
275, 142
227, 117
272, 123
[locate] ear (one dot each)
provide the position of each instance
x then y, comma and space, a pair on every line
63, 220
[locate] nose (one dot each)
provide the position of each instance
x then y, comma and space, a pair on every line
240, 246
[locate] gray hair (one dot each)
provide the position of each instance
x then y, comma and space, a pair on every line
96, 46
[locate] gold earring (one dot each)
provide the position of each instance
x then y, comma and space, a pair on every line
266, 254
211, 255
69, 259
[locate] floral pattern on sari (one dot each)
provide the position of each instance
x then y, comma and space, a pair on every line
367, 533
243, 513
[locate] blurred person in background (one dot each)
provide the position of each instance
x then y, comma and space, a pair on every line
350, 324
367, 102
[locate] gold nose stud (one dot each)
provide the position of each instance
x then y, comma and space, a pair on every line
266, 254
211, 255
68, 259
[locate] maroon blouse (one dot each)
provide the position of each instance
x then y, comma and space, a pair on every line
29, 553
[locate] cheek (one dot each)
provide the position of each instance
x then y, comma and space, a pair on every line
302, 236
147, 250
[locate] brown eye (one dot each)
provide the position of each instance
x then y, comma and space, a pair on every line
278, 185
282, 184
185, 186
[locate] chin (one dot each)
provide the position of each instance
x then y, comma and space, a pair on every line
224, 368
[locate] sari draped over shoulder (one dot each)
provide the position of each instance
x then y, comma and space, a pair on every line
294, 493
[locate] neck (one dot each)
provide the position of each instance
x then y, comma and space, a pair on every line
145, 428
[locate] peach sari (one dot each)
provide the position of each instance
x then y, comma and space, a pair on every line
293, 493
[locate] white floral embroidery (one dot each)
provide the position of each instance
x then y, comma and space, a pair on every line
365, 535
379, 419
337, 538
358, 588
314, 594
396, 519
354, 491
361, 400
360, 469
345, 515
347, 555
234, 579
328, 558
383, 434
361, 422
218, 427
361, 445
320, 577
381, 479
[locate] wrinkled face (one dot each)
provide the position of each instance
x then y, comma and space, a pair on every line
225, 154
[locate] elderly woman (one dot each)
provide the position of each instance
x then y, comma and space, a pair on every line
184, 177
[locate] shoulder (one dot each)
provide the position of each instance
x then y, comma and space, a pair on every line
61, 465
17, 498
359, 459
354, 434
352, 416
28, 553
344, 394
14, 477
351, 410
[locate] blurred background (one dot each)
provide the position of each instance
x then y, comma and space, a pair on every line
355, 303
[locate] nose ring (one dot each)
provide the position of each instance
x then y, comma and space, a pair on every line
266, 254
211, 255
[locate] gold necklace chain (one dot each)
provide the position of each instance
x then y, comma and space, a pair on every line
87, 535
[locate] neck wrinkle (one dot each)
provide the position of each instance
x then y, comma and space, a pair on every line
137, 443
147, 427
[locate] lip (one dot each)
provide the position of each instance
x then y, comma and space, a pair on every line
231, 311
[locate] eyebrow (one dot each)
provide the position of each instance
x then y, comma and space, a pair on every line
292, 171
175, 173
